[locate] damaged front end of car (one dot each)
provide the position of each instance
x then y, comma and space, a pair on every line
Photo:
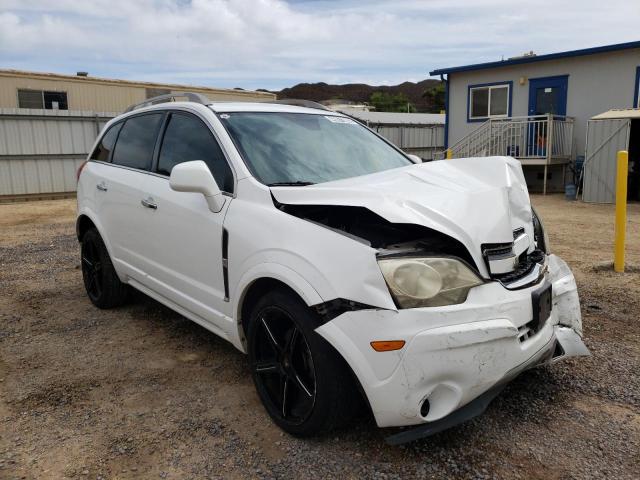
479, 297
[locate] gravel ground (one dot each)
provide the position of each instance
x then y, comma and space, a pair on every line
140, 392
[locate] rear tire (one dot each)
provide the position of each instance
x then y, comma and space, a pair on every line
304, 384
104, 288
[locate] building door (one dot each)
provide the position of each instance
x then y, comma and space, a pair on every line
548, 95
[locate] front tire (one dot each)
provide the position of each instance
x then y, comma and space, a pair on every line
104, 288
304, 384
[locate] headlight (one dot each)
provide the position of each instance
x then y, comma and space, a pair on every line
539, 233
427, 282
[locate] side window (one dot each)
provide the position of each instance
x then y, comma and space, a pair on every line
105, 146
136, 141
188, 138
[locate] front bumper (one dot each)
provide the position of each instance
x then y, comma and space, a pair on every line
456, 353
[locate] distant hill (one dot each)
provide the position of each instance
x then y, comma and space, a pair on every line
360, 92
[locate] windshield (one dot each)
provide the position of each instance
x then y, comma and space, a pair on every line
303, 149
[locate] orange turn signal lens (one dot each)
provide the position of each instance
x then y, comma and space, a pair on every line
387, 345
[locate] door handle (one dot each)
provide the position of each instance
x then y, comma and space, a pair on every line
102, 187
149, 203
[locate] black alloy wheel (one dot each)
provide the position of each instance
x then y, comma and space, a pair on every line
303, 382
104, 288
92, 270
283, 366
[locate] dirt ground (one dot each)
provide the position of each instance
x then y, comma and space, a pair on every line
140, 392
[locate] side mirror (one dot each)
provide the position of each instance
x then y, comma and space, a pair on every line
195, 177
415, 158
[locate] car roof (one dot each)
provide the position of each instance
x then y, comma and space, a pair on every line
221, 107
228, 107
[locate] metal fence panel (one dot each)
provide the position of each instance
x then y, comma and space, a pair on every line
40, 150
604, 139
421, 140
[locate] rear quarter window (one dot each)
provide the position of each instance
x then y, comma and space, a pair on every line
108, 141
137, 140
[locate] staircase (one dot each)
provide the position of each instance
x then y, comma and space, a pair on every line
532, 139
475, 144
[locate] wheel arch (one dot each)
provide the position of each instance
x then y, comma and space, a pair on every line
87, 220
260, 280
83, 224
260, 286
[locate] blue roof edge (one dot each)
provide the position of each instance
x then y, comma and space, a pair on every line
538, 58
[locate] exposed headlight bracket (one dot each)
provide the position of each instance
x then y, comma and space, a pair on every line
505, 258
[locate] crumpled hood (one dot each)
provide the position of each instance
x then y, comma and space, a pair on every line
474, 200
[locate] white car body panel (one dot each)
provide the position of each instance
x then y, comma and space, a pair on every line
259, 233
452, 353
459, 351
118, 208
473, 200
180, 263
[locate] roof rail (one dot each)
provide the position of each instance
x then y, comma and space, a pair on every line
169, 97
300, 103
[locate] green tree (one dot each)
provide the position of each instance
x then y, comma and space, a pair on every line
385, 102
436, 96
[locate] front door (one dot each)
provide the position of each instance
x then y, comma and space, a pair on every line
185, 239
548, 95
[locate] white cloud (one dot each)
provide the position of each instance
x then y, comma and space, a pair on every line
272, 43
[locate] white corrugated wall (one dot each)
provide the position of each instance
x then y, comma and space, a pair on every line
40, 150
604, 139
421, 140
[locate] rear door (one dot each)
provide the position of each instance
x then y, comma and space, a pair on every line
97, 171
122, 190
185, 239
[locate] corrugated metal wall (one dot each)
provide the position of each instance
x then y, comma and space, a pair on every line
604, 139
421, 140
40, 150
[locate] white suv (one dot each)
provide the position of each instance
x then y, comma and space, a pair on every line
349, 272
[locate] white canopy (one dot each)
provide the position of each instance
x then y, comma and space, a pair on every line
618, 113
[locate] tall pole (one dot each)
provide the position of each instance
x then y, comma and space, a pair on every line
621, 210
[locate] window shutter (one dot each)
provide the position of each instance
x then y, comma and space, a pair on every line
30, 99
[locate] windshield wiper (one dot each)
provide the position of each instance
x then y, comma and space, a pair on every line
290, 184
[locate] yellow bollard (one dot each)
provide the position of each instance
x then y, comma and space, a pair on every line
621, 210
449, 154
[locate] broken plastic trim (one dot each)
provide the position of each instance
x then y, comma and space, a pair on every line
470, 410
477, 406
538, 232
336, 307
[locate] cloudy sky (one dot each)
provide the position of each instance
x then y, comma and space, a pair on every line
276, 43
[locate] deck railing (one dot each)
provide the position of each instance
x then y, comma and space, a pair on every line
540, 138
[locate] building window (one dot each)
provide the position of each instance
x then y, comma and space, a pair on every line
489, 101
42, 99
155, 92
